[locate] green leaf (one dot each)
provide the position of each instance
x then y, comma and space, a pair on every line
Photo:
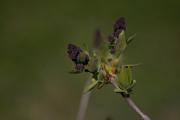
132, 84
85, 47
82, 57
103, 49
121, 43
129, 73
100, 84
125, 77
92, 65
131, 38
118, 90
91, 86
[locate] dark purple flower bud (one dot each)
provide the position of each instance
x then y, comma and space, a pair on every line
97, 39
79, 67
73, 52
112, 44
119, 25
111, 39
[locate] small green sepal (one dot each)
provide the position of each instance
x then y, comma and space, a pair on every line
118, 90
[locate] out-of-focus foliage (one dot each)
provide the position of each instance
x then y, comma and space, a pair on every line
34, 79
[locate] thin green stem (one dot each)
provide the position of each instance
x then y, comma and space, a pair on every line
131, 104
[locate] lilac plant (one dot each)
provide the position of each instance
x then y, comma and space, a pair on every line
105, 63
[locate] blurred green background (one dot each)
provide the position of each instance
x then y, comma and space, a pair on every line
34, 79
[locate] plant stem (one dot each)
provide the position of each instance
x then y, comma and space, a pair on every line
83, 104
135, 108
131, 103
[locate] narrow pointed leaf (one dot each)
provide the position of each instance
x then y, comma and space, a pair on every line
118, 90
103, 49
131, 38
132, 84
91, 86
100, 84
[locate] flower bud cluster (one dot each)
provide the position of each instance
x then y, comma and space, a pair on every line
78, 56
118, 27
103, 68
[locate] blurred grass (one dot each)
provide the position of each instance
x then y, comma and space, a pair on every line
34, 79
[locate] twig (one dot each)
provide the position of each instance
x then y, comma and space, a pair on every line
131, 103
83, 103
135, 108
